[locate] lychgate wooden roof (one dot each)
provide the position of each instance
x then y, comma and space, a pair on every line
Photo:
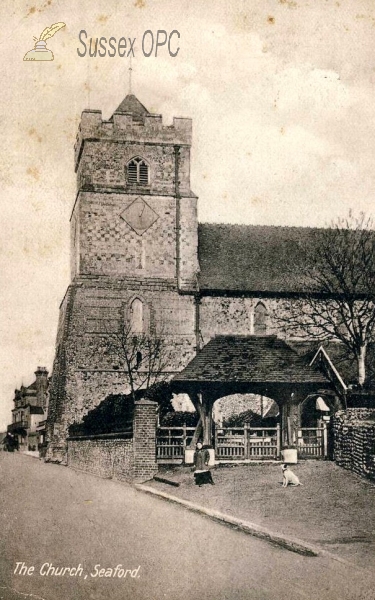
249, 359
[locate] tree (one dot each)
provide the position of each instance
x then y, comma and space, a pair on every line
339, 279
161, 392
145, 356
115, 413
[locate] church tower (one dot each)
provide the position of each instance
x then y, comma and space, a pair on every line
134, 240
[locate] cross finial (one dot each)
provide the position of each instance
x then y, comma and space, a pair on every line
130, 75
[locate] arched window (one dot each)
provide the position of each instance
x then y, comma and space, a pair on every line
138, 359
137, 172
260, 319
136, 316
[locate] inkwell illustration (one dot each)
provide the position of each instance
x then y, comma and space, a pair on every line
41, 52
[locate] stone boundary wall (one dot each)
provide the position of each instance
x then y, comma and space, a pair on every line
354, 440
122, 459
108, 458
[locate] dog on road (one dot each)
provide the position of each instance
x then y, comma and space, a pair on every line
289, 478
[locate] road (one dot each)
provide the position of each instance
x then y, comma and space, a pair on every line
54, 517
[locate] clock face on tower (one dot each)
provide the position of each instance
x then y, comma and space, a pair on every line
139, 216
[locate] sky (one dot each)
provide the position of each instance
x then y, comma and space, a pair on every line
281, 93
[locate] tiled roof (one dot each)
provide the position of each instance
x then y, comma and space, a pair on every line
340, 357
131, 104
249, 359
306, 349
253, 258
347, 366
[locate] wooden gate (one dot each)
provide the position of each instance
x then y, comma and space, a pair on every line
171, 443
313, 442
247, 443
241, 443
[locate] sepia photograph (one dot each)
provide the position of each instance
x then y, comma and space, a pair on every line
187, 300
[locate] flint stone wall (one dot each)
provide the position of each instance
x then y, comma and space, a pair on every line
115, 458
108, 458
354, 440
86, 368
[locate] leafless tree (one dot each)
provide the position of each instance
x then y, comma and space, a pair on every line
145, 356
339, 279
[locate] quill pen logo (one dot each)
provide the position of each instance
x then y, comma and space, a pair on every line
41, 51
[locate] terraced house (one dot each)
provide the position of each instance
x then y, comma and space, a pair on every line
30, 412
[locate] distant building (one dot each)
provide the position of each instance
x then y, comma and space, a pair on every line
2, 436
30, 412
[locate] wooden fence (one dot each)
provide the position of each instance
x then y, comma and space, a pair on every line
171, 443
240, 443
251, 443
312, 442
231, 443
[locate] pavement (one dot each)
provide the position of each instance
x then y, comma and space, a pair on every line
332, 512
52, 515
33, 453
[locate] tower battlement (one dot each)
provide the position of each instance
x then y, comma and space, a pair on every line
128, 127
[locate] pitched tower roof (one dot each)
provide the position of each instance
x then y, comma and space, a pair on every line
131, 104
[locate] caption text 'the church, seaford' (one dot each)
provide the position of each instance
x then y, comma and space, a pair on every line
50, 570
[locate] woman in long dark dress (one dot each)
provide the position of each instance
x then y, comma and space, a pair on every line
202, 473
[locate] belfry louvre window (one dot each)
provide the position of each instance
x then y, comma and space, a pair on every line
138, 172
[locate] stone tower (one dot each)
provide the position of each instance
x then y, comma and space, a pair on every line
133, 255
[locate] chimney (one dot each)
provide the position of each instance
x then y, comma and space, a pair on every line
41, 375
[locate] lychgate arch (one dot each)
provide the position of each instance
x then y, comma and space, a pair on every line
236, 408
264, 365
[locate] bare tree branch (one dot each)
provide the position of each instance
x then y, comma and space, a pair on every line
339, 279
145, 356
